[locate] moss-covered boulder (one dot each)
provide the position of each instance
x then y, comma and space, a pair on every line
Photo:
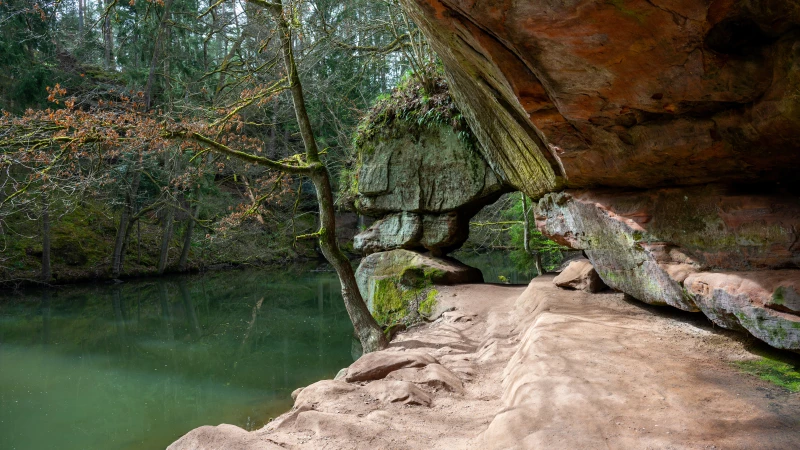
399, 286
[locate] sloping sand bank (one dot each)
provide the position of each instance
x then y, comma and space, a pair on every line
537, 367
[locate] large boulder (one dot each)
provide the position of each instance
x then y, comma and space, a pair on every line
399, 285
765, 303
429, 170
653, 245
580, 275
377, 365
420, 172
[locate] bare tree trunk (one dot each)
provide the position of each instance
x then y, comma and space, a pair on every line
526, 231
81, 16
148, 90
108, 38
187, 238
165, 239
366, 328
526, 235
538, 261
46, 269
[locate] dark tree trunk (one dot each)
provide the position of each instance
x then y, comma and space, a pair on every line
187, 238
124, 227
166, 237
46, 268
108, 39
148, 90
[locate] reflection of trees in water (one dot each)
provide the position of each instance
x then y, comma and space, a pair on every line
256, 329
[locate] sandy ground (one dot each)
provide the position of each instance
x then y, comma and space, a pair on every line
543, 368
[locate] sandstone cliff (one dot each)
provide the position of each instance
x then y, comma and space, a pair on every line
663, 138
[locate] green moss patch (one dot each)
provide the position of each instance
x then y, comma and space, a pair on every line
427, 306
405, 298
773, 369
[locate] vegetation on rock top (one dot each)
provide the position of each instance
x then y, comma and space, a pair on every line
412, 107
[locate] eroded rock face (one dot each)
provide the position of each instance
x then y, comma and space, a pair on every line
425, 184
646, 95
766, 304
428, 171
631, 94
437, 233
659, 246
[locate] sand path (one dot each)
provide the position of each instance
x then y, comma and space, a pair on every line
543, 368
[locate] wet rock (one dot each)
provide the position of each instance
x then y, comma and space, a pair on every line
580, 275
376, 365
433, 375
390, 391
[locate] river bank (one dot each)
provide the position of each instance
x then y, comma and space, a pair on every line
539, 367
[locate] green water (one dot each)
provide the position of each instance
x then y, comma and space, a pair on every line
137, 365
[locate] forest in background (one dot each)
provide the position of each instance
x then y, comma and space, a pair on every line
124, 205
134, 212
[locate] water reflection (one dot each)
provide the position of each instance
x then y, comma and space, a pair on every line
136, 365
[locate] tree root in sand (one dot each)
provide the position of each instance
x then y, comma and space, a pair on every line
537, 367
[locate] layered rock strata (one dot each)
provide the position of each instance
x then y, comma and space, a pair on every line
700, 97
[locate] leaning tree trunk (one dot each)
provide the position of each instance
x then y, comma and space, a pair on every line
46, 268
366, 328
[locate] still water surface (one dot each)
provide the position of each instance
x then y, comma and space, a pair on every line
134, 366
